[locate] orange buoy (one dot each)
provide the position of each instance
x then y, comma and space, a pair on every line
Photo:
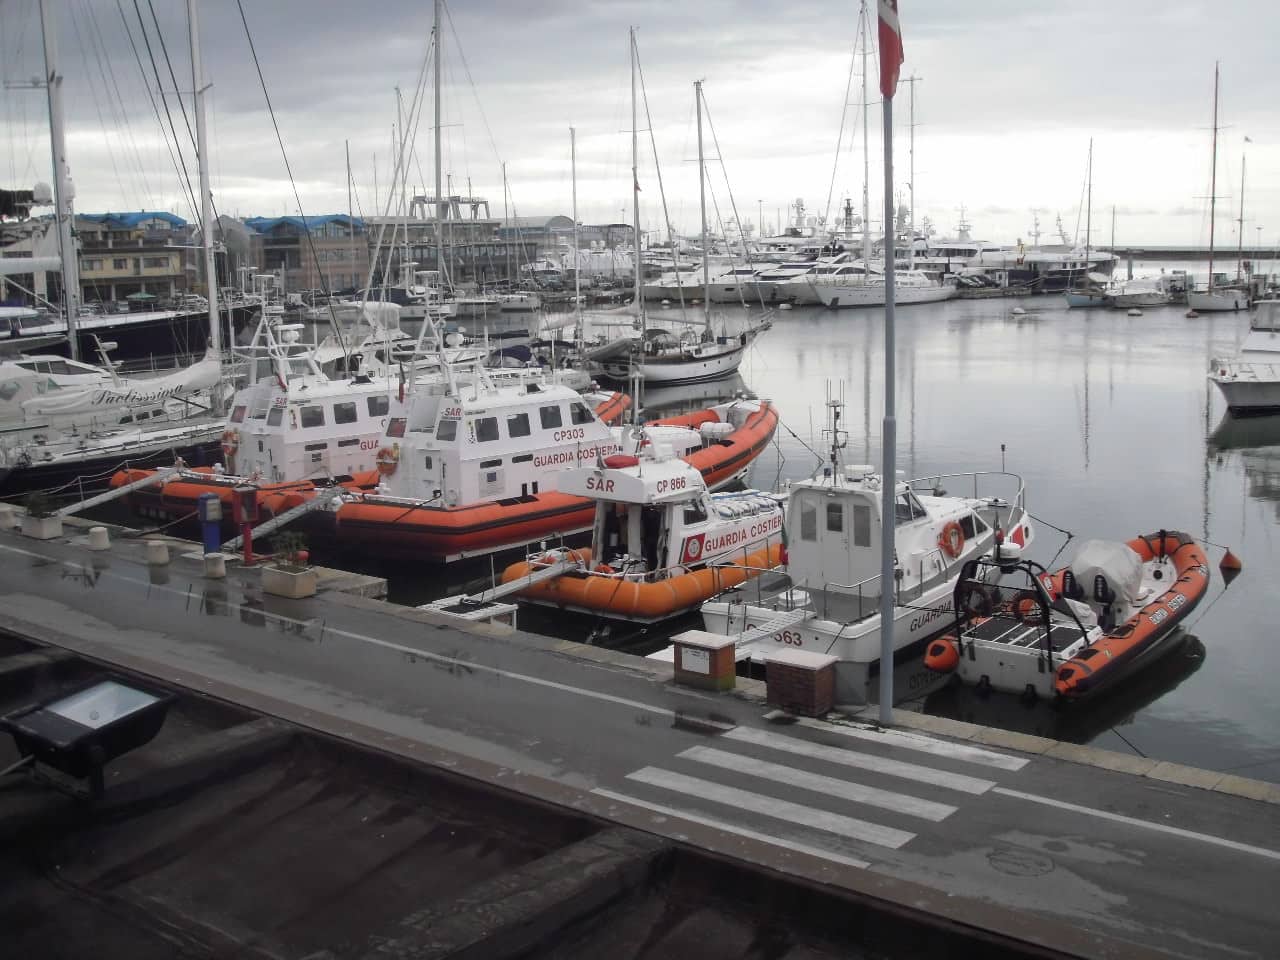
942, 656
1230, 562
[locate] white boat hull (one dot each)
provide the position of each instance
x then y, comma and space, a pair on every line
873, 294
1204, 301
686, 369
1146, 298
1248, 389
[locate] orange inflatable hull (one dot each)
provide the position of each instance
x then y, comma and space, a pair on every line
1114, 654
640, 601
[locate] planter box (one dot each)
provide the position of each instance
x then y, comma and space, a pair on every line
292, 582
41, 528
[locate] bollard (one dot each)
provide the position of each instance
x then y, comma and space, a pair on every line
8, 518
215, 566
99, 539
157, 552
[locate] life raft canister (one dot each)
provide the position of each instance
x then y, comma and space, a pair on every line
387, 459
951, 539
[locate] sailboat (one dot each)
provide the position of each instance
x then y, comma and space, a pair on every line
83, 421
1094, 292
661, 356
1213, 297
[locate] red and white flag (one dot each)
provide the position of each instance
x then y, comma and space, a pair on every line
891, 56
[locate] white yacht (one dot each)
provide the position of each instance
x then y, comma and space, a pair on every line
1250, 381
909, 286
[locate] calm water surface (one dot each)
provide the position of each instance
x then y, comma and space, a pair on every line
1115, 429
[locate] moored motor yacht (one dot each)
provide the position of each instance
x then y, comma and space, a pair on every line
1250, 381
829, 600
909, 286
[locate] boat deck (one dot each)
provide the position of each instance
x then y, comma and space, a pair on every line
1015, 633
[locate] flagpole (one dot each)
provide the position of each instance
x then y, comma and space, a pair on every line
890, 58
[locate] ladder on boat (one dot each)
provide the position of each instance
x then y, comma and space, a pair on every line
160, 476
781, 620
485, 606
321, 501
551, 571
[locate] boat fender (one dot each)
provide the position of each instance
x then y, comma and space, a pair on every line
977, 601
942, 655
951, 540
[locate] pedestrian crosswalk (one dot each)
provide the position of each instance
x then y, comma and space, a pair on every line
834, 791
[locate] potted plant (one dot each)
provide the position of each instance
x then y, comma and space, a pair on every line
289, 573
40, 521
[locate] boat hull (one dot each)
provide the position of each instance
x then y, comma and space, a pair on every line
1250, 396
873, 295
1217, 301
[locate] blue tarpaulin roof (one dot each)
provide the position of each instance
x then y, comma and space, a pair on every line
267, 224
131, 220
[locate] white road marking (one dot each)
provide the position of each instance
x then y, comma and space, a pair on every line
862, 761
793, 813
923, 744
783, 842
817, 783
1145, 824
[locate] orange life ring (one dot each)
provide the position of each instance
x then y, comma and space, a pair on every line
387, 459
951, 540
230, 442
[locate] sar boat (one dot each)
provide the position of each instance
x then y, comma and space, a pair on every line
829, 600
661, 542
1250, 381
1069, 634
474, 469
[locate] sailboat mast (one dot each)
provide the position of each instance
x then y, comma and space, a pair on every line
577, 260
635, 184
62, 189
351, 215
206, 195
866, 153
1213, 174
506, 219
702, 206
439, 191
1088, 210
911, 152
1240, 244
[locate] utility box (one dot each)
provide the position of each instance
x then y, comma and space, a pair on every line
801, 682
245, 505
704, 660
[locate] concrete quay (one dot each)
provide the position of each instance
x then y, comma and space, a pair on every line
996, 843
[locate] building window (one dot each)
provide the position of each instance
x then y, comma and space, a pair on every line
345, 412
155, 261
120, 263
379, 405
518, 425
486, 429
312, 416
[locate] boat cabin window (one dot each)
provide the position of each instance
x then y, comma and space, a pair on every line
486, 429
972, 525
580, 413
57, 366
447, 429
237, 415
345, 412
274, 416
907, 509
396, 427
835, 517
312, 416
518, 425
378, 405
694, 513
551, 418
808, 521
861, 525
427, 462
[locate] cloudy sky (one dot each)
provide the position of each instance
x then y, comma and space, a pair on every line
1009, 96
